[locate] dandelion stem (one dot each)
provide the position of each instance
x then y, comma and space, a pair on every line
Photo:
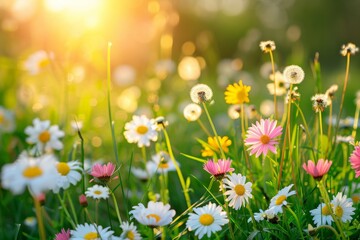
39, 219
181, 178
273, 71
116, 207
203, 127
321, 132
329, 129
214, 130
343, 95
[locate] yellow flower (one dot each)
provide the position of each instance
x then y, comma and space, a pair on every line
237, 93
213, 147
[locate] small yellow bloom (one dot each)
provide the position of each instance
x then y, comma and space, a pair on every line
237, 93
213, 147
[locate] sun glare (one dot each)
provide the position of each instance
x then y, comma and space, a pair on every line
78, 6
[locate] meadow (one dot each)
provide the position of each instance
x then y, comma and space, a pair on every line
181, 144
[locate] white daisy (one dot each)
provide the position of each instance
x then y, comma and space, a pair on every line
280, 199
192, 112
69, 174
156, 214
201, 93
293, 74
238, 190
161, 163
342, 207
45, 137
129, 232
91, 231
141, 130
321, 215
206, 220
97, 192
259, 216
37, 61
7, 120
39, 174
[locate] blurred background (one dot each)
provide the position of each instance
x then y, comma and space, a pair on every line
53, 57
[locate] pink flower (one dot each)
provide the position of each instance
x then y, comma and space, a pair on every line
355, 160
261, 137
63, 235
218, 169
103, 172
318, 170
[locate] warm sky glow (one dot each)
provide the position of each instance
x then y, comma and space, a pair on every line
79, 6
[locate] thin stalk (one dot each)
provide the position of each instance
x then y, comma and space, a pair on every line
297, 222
116, 207
72, 207
40, 219
329, 128
356, 121
227, 211
251, 215
343, 94
273, 71
321, 132
242, 121
179, 173
114, 143
203, 127
82, 160
68, 216
330, 228
214, 130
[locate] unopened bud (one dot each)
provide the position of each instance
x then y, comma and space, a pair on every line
83, 201
41, 198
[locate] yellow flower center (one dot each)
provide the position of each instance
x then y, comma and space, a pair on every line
164, 165
325, 211
264, 139
280, 200
242, 95
43, 63
44, 136
239, 189
339, 211
97, 192
130, 235
91, 235
32, 172
157, 217
355, 198
206, 219
142, 129
63, 168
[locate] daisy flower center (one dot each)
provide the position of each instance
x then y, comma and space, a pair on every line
32, 172
152, 215
280, 200
142, 129
130, 235
91, 235
97, 192
206, 219
164, 165
339, 211
325, 211
63, 168
264, 139
239, 189
44, 136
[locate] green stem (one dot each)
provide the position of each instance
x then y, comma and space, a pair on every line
297, 221
330, 228
227, 211
179, 173
66, 211
214, 130
343, 95
203, 127
72, 207
321, 132
40, 219
116, 207
356, 120
273, 71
